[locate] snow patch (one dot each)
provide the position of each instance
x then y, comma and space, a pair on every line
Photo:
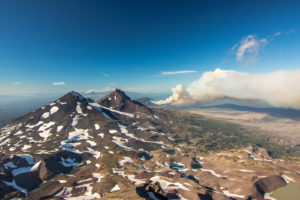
96, 154
58, 129
44, 130
115, 188
98, 176
97, 127
19, 132
231, 195
9, 165
112, 131
78, 108
46, 115
212, 172
25, 147
95, 105
20, 170
75, 121
125, 160
124, 131
12, 149
287, 179
36, 166
53, 110
69, 162
166, 185
120, 142
35, 125
129, 177
91, 143
251, 155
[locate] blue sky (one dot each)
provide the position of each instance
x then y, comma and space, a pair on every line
83, 45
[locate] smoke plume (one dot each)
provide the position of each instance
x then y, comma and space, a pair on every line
178, 97
279, 88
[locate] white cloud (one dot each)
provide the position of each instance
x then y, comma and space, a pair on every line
283, 33
248, 48
277, 34
58, 83
178, 72
291, 31
279, 88
16, 83
106, 75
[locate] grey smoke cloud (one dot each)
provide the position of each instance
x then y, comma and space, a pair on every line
279, 88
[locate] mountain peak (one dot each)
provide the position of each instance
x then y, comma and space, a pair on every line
120, 93
118, 100
73, 96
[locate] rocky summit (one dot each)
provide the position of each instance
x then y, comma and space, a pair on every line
118, 100
117, 148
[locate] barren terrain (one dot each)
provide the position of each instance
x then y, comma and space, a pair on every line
284, 131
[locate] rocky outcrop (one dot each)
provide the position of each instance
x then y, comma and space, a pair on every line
205, 196
156, 189
28, 180
153, 191
268, 184
48, 191
42, 170
62, 162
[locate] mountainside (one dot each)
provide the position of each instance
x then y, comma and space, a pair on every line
74, 148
